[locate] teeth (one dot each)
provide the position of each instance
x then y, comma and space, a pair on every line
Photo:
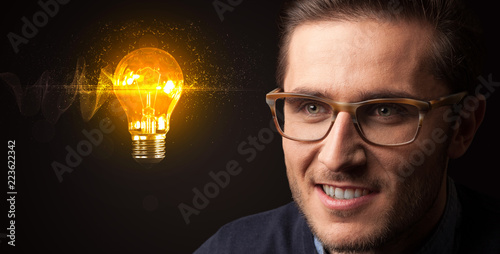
358, 193
339, 193
348, 194
328, 190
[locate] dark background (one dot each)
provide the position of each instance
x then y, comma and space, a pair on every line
109, 203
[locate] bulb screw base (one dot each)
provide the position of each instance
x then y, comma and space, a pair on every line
148, 152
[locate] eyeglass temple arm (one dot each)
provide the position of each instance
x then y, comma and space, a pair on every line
448, 100
275, 90
270, 101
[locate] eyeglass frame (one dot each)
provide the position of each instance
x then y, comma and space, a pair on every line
351, 108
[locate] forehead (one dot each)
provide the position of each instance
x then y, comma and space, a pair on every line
344, 59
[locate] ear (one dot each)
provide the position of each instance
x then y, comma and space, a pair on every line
471, 116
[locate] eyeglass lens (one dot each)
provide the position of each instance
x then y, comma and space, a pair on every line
381, 123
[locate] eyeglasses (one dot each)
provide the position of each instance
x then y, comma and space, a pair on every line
385, 122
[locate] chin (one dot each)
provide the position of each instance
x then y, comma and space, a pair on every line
349, 231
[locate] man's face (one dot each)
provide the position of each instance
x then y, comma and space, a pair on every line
399, 192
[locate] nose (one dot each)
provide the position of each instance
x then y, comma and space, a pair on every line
342, 149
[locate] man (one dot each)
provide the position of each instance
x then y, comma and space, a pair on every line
375, 97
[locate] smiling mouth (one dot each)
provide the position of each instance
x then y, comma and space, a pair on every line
344, 193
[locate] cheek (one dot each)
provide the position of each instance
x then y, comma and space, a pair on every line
428, 153
386, 163
413, 163
298, 156
397, 166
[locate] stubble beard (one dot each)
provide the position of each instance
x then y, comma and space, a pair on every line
417, 197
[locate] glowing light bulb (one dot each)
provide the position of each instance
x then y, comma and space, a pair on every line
148, 83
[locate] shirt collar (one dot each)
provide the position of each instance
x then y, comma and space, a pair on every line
442, 240
319, 246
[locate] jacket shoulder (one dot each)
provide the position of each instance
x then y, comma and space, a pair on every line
280, 230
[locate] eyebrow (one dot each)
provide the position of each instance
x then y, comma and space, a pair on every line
369, 95
312, 92
363, 95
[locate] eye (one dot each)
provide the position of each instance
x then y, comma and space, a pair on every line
391, 110
312, 108
307, 108
385, 111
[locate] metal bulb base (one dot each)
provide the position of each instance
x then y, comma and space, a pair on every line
148, 152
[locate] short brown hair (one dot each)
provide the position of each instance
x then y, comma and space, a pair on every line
456, 51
